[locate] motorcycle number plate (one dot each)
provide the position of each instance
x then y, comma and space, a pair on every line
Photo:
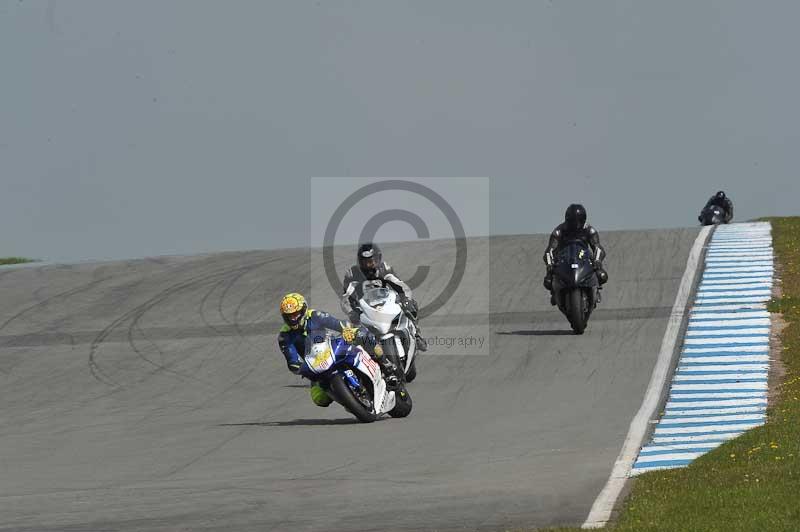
574, 266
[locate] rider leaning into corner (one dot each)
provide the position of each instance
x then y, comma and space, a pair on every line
371, 272
299, 319
723, 202
574, 228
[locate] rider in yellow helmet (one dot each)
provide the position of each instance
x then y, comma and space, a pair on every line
299, 319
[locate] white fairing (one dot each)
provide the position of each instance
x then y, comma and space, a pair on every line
379, 308
381, 313
383, 400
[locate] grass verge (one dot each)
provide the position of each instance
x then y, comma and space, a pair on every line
13, 260
751, 483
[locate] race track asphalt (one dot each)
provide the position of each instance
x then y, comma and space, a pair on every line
149, 395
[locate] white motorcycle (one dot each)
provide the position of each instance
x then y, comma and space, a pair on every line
385, 318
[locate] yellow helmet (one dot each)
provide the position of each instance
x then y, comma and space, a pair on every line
293, 310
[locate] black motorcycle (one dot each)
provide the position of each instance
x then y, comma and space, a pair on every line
575, 283
712, 216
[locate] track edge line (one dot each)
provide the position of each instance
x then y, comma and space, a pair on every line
604, 504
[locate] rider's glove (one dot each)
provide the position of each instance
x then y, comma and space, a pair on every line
350, 334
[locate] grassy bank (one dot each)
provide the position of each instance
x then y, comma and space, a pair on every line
751, 483
13, 260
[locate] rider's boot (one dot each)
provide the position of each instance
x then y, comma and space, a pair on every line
548, 285
422, 343
319, 396
389, 371
602, 274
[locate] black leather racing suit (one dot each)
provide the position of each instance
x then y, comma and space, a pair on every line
355, 283
560, 235
725, 204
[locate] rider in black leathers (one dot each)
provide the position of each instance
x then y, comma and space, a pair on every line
574, 227
371, 272
723, 202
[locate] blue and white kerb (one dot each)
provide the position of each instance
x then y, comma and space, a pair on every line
719, 389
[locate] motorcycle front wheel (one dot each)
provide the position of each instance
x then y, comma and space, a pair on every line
345, 396
576, 310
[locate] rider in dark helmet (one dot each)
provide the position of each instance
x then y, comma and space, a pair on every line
371, 272
574, 227
723, 202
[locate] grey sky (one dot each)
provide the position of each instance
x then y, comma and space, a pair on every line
150, 127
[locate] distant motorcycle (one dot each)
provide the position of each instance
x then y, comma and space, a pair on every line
713, 216
351, 378
383, 316
575, 283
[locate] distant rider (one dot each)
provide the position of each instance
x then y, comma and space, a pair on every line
723, 202
574, 227
299, 319
371, 272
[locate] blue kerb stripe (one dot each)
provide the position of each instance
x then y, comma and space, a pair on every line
692, 363
658, 452
750, 262
756, 278
714, 288
715, 391
743, 293
734, 344
730, 267
733, 337
742, 251
711, 433
751, 287
701, 295
745, 304
724, 327
722, 372
733, 255
679, 442
703, 354
698, 424
731, 244
665, 463
720, 407
722, 381
733, 316
711, 416
705, 282
715, 399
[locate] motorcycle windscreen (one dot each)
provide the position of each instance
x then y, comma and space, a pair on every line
319, 355
375, 297
374, 314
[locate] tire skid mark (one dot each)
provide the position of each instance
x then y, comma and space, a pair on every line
94, 368
132, 314
44, 302
242, 338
